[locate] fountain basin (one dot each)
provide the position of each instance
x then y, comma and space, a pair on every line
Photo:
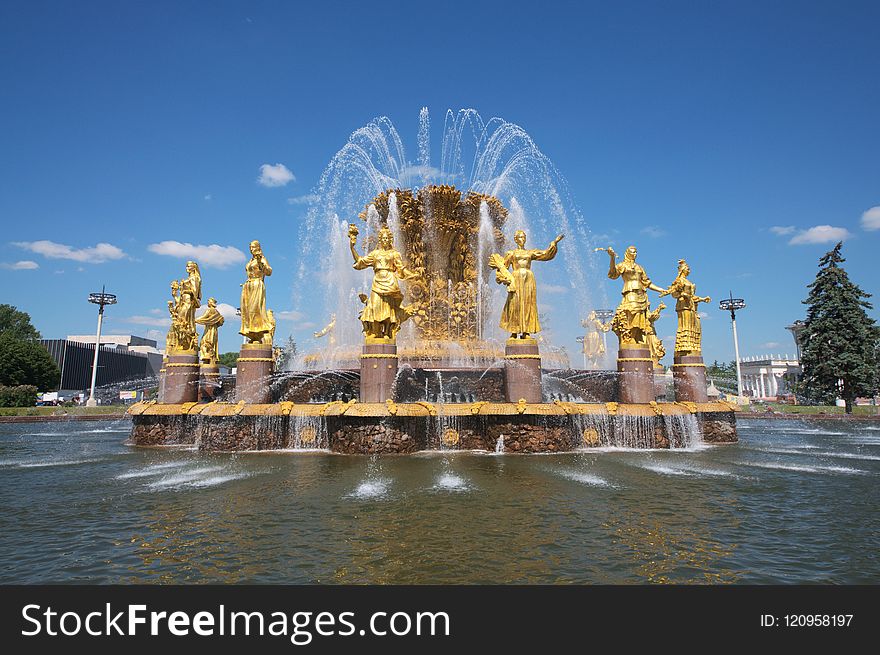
389, 428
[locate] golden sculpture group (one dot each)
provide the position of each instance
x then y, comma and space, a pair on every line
384, 312
257, 322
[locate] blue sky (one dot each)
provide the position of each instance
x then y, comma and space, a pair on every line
690, 129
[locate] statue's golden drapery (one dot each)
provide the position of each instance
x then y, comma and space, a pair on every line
520, 314
182, 336
255, 322
655, 344
383, 313
630, 322
689, 335
212, 319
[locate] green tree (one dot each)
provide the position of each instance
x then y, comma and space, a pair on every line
228, 359
17, 324
28, 363
840, 341
288, 353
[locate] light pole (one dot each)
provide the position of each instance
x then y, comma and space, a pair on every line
99, 299
732, 304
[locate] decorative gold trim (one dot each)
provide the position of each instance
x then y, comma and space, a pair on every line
384, 341
522, 357
528, 341
380, 356
635, 359
256, 346
703, 365
255, 359
178, 365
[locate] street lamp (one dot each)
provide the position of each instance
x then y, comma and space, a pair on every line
732, 304
99, 299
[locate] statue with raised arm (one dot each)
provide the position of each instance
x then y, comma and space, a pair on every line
255, 321
212, 319
186, 297
520, 314
630, 322
383, 313
328, 331
689, 335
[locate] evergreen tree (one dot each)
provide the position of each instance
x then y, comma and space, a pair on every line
26, 362
839, 356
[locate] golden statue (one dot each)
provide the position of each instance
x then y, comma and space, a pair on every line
630, 322
689, 335
182, 337
594, 344
383, 313
269, 337
212, 319
255, 322
328, 331
655, 344
520, 314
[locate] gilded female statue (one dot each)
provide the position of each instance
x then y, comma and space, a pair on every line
183, 310
630, 321
655, 343
383, 313
689, 335
594, 343
212, 319
255, 323
520, 314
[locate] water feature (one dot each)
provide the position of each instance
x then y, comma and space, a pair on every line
493, 159
792, 502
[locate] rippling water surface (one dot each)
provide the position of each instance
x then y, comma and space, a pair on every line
793, 502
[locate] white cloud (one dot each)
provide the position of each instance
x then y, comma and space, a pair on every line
553, 288
871, 219
782, 230
770, 344
653, 231
288, 316
820, 234
146, 320
156, 335
23, 265
208, 196
277, 175
307, 199
97, 254
704, 315
213, 255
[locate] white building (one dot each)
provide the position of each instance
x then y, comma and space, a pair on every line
766, 376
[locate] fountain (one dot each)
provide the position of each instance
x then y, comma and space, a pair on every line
440, 345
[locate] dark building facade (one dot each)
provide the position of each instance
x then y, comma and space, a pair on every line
114, 364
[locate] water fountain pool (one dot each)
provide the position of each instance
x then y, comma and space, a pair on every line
449, 380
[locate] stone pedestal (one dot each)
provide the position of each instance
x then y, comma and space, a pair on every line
181, 379
209, 382
689, 372
254, 367
160, 396
522, 371
378, 372
636, 375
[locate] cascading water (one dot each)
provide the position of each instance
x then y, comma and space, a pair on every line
494, 157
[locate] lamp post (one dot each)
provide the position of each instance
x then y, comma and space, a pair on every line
99, 299
732, 304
